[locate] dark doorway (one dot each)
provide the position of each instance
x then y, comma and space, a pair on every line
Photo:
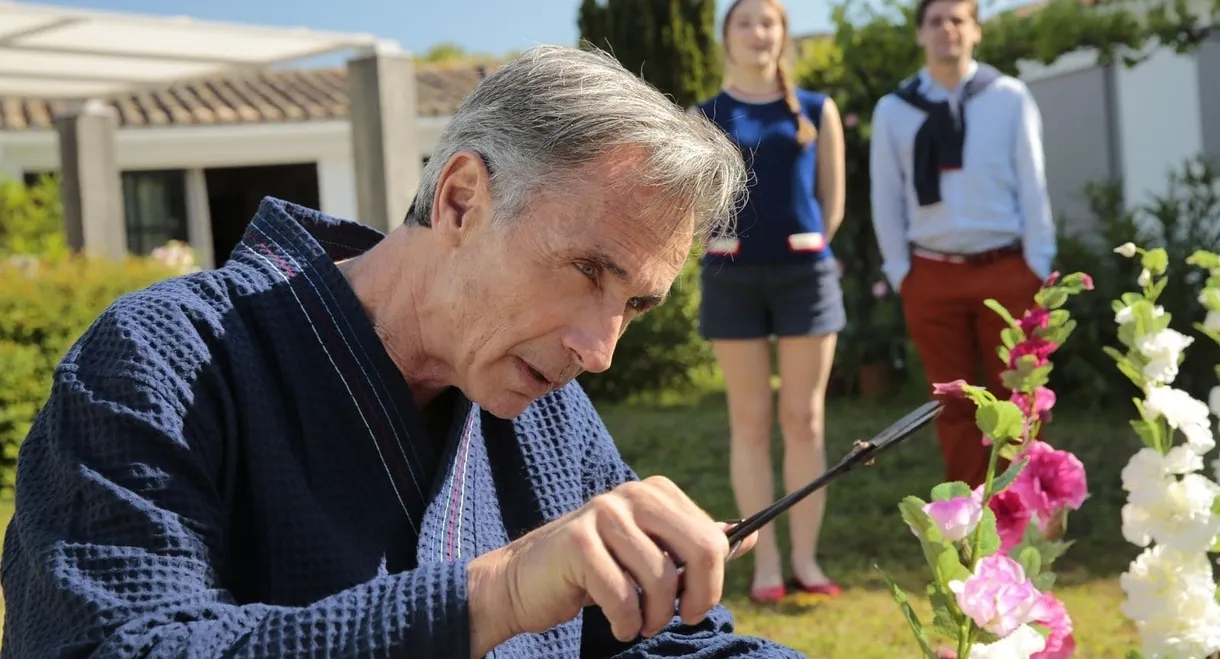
234, 194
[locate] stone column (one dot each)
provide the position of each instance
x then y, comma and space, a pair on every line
91, 188
385, 144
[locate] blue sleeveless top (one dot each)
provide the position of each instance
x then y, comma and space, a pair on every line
781, 221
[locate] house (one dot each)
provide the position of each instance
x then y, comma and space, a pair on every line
174, 128
197, 156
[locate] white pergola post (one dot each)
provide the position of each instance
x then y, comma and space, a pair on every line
383, 115
91, 189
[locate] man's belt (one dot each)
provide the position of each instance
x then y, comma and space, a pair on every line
975, 258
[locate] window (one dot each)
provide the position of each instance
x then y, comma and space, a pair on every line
155, 208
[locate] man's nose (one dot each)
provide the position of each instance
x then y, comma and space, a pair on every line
593, 341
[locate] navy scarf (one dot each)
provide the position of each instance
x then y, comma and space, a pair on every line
940, 140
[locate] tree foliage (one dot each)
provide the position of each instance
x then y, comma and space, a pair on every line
873, 49
670, 43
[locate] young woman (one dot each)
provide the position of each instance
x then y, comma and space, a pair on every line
776, 278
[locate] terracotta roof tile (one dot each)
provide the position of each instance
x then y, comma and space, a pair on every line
266, 97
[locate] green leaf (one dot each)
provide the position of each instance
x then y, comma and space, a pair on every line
1129, 298
1051, 298
1134, 654
1010, 474
1003, 313
1150, 433
1204, 259
911, 509
1045, 581
947, 491
1010, 451
945, 620
1156, 260
912, 619
1001, 420
1011, 336
1031, 561
949, 565
989, 537
1012, 379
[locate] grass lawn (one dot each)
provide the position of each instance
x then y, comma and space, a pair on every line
688, 443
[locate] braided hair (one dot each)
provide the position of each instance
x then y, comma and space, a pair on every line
806, 133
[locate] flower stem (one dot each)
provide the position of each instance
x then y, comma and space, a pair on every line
963, 639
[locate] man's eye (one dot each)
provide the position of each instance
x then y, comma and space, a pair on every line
587, 269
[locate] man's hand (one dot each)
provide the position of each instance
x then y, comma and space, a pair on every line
617, 552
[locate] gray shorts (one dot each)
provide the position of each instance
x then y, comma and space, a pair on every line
760, 301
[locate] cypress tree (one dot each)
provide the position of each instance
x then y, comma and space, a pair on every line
670, 43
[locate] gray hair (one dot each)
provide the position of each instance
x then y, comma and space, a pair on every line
555, 109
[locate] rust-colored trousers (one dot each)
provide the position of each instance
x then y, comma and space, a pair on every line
956, 336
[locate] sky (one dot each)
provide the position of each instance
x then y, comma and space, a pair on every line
491, 26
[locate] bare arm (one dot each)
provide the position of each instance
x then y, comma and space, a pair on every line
832, 182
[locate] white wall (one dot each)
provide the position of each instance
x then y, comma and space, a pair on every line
337, 187
1159, 120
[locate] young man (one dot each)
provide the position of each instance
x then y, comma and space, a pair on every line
960, 212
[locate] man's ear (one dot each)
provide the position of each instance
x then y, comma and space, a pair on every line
463, 198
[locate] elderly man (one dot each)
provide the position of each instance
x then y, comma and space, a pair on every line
348, 444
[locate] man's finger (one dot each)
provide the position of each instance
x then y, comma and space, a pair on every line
647, 565
611, 589
746, 544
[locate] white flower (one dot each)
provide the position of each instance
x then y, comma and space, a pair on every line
1022, 643
1182, 412
1173, 512
1145, 277
1171, 598
1163, 349
1147, 468
1126, 315
1213, 400
1212, 322
1125, 249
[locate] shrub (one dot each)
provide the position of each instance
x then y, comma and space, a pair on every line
48, 298
1184, 219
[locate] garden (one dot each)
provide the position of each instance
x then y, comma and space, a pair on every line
1097, 543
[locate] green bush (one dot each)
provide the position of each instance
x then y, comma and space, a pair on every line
661, 351
48, 298
1183, 219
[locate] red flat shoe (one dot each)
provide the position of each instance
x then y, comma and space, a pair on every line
767, 595
830, 588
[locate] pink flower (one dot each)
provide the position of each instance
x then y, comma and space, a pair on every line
880, 289
850, 120
997, 596
1050, 281
1036, 318
1012, 516
1044, 400
1051, 481
1037, 346
955, 518
1086, 281
1061, 644
956, 389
